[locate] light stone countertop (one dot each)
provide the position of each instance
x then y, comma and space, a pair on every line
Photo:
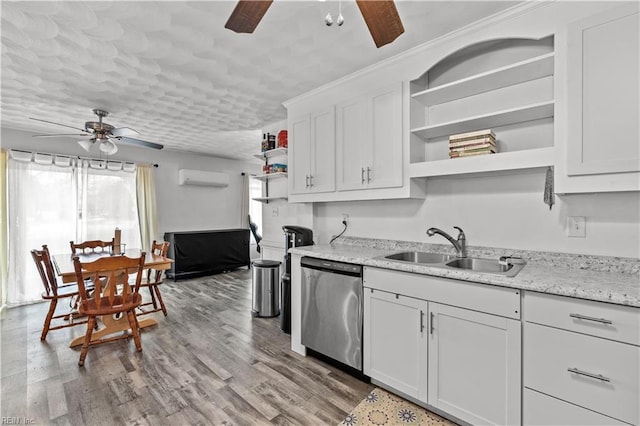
537, 275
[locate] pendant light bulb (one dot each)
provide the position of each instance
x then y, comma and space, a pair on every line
328, 20
108, 147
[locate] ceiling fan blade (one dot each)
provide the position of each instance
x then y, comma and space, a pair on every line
123, 131
139, 142
57, 124
247, 15
62, 134
382, 19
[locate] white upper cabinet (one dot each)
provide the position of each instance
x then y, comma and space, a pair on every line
505, 85
369, 141
312, 153
603, 102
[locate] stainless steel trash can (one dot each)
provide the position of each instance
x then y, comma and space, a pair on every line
266, 288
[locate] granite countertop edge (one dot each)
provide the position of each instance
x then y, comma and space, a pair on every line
611, 287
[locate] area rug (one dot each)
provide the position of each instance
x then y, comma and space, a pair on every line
382, 408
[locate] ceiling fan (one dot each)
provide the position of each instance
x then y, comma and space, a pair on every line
381, 17
105, 134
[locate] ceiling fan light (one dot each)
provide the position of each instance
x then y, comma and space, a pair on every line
108, 147
85, 144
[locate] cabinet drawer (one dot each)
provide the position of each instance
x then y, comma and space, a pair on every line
615, 322
541, 409
490, 299
550, 353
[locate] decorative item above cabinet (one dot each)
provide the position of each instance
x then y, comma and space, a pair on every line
504, 85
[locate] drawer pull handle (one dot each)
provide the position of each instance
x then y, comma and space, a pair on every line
584, 317
584, 373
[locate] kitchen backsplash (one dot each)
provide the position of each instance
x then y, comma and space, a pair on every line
624, 265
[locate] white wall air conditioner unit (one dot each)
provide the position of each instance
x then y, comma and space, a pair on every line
202, 178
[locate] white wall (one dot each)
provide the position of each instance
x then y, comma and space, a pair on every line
180, 208
502, 210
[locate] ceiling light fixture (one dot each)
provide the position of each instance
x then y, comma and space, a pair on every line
85, 144
107, 146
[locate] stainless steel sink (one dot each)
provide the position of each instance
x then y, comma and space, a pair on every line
509, 266
419, 257
486, 265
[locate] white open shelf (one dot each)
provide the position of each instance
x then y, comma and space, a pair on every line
267, 199
268, 176
271, 153
520, 72
525, 159
487, 121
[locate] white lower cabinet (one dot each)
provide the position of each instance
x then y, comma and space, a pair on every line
461, 361
395, 343
474, 365
581, 357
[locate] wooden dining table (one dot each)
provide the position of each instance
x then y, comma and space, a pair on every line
63, 264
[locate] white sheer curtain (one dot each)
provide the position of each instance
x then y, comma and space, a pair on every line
107, 201
49, 204
3, 228
42, 203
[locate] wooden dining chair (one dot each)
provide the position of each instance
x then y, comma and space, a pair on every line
93, 246
54, 292
113, 294
152, 279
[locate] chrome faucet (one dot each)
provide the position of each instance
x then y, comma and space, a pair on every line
460, 244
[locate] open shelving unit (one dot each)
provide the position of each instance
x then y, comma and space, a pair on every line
520, 72
271, 153
494, 119
266, 177
505, 97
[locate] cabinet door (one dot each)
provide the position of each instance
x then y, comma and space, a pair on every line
603, 93
384, 167
323, 146
395, 344
352, 143
300, 153
474, 365
540, 409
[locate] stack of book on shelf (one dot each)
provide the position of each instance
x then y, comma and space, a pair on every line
473, 143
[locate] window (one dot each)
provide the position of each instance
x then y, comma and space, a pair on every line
52, 205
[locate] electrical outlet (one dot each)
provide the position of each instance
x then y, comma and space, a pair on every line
577, 226
345, 218
274, 212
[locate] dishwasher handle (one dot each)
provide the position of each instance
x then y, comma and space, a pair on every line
331, 266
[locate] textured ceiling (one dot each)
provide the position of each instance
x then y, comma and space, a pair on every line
171, 70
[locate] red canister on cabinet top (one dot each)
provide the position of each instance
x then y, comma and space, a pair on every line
283, 139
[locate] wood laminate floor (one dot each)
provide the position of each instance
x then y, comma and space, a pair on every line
209, 362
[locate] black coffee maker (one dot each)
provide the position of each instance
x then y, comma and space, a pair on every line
294, 236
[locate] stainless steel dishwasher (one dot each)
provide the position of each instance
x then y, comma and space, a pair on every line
332, 309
